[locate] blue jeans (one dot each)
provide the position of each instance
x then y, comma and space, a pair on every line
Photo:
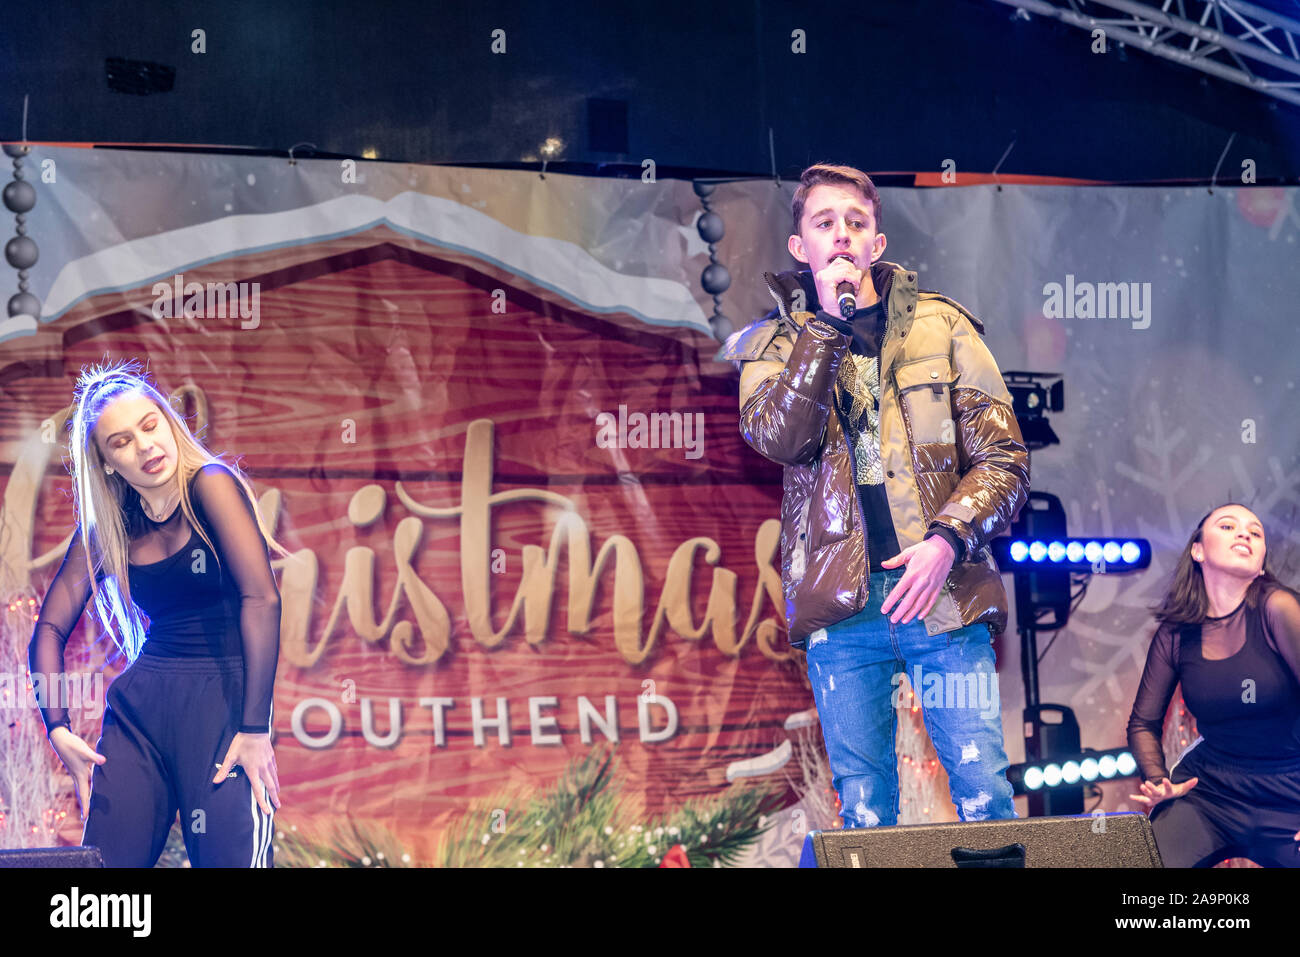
855, 668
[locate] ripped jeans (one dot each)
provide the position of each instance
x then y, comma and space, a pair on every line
855, 668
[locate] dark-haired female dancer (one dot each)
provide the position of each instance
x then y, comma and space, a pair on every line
1230, 632
165, 530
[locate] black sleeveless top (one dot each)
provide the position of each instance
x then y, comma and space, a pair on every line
195, 605
191, 601
1240, 675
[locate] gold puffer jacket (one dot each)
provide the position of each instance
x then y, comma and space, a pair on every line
949, 442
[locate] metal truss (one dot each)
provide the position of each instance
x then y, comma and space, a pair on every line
1217, 37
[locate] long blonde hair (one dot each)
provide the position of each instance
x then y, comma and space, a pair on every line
101, 499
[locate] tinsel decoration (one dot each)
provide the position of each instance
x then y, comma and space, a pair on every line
809, 776
922, 781
37, 797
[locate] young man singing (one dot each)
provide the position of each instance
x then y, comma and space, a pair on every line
902, 460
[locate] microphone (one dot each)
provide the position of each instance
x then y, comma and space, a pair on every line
847, 301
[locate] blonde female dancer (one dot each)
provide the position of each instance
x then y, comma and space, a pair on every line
168, 533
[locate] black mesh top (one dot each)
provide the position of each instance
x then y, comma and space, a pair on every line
1241, 680
195, 606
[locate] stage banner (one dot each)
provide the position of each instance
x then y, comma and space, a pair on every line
533, 613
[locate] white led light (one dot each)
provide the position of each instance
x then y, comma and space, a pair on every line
1092, 551
1019, 551
1037, 551
1126, 764
1056, 551
1052, 775
1106, 766
1033, 778
1130, 552
1088, 769
1110, 551
1074, 551
1070, 772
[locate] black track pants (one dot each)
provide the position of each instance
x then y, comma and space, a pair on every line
167, 725
1235, 810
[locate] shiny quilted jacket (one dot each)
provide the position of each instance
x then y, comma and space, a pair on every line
951, 448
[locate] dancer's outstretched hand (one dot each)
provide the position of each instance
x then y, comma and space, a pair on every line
1165, 790
80, 759
253, 753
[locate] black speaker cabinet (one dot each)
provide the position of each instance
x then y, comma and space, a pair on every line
1110, 840
52, 857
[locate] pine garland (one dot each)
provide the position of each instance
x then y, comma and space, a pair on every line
350, 845
581, 822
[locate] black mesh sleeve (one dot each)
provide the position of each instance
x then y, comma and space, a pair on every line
1282, 625
1146, 725
244, 555
60, 611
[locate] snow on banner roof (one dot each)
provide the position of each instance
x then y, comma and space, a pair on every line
558, 265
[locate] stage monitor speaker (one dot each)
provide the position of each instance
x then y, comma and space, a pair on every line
52, 857
1110, 840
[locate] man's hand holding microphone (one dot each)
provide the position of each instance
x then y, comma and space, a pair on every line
838, 283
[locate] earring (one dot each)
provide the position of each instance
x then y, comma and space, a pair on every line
108, 470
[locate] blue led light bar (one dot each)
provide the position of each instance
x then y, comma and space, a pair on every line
1100, 556
1074, 771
